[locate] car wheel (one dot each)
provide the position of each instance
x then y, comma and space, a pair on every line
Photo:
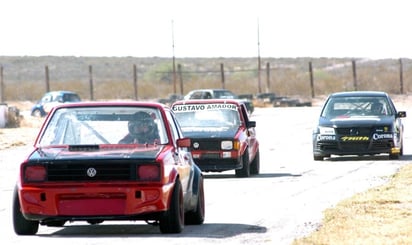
56, 223
393, 156
172, 221
401, 152
95, 221
21, 225
197, 216
36, 113
318, 158
255, 166
245, 170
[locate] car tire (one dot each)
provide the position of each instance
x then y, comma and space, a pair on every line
172, 221
318, 158
95, 221
21, 225
197, 216
401, 151
255, 166
393, 156
36, 113
245, 170
56, 223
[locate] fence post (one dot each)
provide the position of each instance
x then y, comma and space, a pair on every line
2, 99
47, 79
174, 75
91, 82
355, 79
179, 70
267, 77
222, 73
312, 87
135, 81
401, 75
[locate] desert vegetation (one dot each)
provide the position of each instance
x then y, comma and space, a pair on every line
378, 216
24, 78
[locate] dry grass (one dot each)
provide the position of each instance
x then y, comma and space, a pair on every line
24, 77
381, 215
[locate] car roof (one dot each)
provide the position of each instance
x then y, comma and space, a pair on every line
211, 89
61, 92
208, 101
112, 103
360, 93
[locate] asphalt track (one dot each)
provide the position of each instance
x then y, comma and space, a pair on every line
283, 202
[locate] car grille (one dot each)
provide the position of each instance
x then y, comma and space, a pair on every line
352, 131
354, 146
84, 171
206, 144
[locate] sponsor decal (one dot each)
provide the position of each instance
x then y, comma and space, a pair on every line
376, 136
326, 137
354, 138
203, 107
385, 129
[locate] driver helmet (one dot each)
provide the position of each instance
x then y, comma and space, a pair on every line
141, 124
377, 107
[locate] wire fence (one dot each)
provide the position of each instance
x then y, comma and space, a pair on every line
28, 78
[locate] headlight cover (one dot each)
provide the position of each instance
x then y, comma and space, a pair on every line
326, 130
226, 145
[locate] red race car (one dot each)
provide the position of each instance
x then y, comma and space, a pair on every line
222, 135
97, 161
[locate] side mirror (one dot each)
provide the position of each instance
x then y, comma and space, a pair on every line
184, 142
251, 124
401, 114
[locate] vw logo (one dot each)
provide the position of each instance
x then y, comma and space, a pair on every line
91, 172
196, 145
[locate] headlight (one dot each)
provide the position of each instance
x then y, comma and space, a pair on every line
226, 145
326, 130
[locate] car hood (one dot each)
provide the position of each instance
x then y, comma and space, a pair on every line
210, 132
95, 152
356, 121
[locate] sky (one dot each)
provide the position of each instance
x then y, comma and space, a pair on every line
373, 29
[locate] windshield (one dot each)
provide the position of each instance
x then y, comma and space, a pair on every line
224, 94
356, 106
100, 125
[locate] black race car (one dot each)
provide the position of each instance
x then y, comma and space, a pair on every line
358, 123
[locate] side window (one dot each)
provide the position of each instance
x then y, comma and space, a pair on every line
244, 113
207, 95
196, 95
174, 127
58, 98
47, 98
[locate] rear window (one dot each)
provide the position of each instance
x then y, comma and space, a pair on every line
71, 98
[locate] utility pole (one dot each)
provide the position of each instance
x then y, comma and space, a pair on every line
174, 60
258, 39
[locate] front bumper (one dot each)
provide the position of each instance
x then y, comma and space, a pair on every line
77, 202
217, 161
359, 145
